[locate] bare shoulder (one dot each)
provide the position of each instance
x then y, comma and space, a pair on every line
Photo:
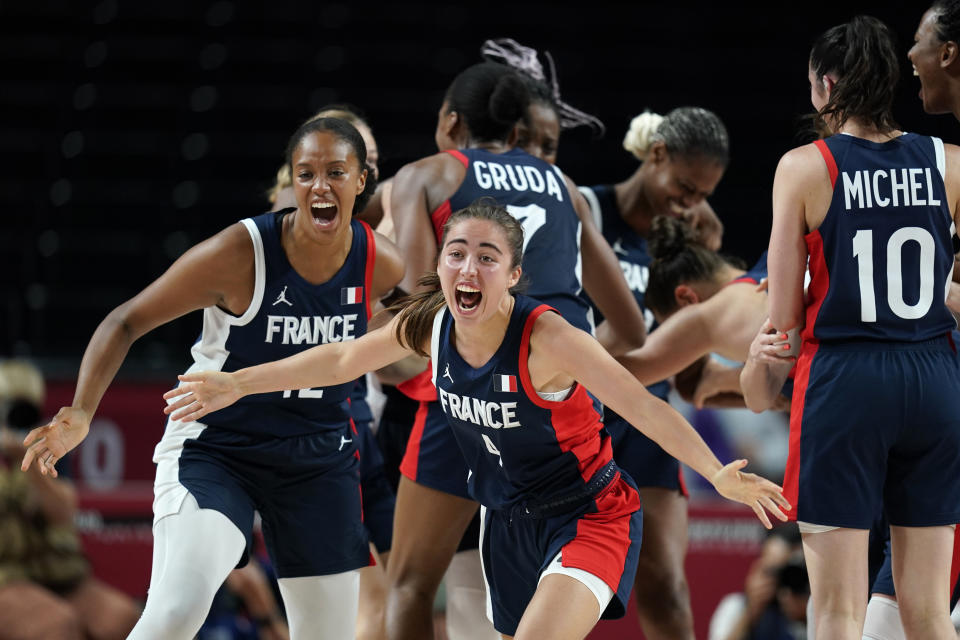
554, 336
802, 162
231, 248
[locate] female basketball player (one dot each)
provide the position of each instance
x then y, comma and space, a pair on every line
269, 286
683, 156
378, 495
561, 527
475, 128
874, 421
704, 304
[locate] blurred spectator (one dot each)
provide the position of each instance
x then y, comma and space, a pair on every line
774, 601
46, 588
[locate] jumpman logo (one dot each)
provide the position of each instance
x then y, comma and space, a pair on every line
344, 441
282, 298
446, 373
618, 248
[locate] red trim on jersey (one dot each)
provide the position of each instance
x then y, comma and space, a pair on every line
603, 537
411, 457
819, 282
439, 218
575, 421
442, 213
371, 261
459, 155
791, 476
828, 158
420, 387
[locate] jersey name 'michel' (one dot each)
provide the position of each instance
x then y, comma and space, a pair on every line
508, 177
480, 412
888, 187
311, 329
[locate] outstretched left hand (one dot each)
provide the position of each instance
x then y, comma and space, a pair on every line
758, 493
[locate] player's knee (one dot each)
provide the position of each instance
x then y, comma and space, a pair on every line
919, 614
179, 613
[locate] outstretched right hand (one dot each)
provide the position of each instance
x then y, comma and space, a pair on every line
48, 444
201, 393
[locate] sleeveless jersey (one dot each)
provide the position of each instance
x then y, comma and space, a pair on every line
517, 445
535, 193
881, 261
756, 273
632, 254
288, 315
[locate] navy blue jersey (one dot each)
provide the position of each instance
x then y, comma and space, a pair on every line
288, 315
535, 193
632, 254
756, 273
881, 261
517, 445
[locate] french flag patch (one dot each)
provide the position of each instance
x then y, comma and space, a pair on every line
351, 295
504, 383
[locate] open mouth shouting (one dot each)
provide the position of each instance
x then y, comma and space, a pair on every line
468, 297
324, 213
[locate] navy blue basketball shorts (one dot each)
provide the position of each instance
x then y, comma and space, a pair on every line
601, 538
646, 461
883, 584
875, 426
306, 489
379, 500
433, 457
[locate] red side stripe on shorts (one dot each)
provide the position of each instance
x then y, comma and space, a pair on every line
791, 476
828, 158
371, 260
411, 457
603, 538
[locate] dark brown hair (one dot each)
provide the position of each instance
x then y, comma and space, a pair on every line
677, 259
863, 54
416, 311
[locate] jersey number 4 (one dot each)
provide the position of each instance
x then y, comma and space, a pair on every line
863, 252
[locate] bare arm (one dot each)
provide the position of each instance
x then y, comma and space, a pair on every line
604, 282
321, 366
556, 346
724, 324
772, 354
218, 271
388, 268
800, 176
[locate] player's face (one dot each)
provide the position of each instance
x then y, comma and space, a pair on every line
679, 182
326, 180
541, 138
474, 269
925, 56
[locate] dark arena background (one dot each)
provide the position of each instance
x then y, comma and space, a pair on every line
132, 130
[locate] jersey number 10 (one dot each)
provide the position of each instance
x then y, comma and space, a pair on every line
863, 252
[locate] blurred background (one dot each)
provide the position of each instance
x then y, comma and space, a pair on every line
133, 130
